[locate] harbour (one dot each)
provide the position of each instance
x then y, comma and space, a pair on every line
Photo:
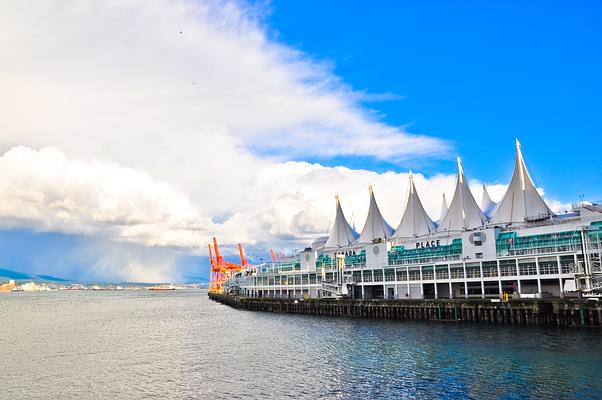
182, 345
248, 199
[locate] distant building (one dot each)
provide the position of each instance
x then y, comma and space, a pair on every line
7, 287
33, 287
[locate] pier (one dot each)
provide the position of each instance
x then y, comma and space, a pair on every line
534, 312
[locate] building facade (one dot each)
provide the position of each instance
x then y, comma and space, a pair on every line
517, 248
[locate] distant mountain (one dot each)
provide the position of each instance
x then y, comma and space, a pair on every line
52, 278
6, 274
194, 279
20, 276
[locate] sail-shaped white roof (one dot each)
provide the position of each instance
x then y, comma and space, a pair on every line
342, 234
444, 208
464, 212
375, 227
487, 205
415, 221
521, 202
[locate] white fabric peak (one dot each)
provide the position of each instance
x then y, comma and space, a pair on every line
342, 234
444, 208
375, 227
415, 221
464, 212
487, 205
521, 201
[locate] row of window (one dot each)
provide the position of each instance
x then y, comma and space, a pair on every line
547, 266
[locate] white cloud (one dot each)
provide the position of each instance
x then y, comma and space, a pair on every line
158, 109
117, 81
46, 191
291, 204
124, 68
159, 116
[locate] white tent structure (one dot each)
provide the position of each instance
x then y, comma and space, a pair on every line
415, 221
375, 227
487, 205
342, 234
521, 203
444, 208
464, 212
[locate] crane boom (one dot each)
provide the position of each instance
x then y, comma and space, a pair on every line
222, 270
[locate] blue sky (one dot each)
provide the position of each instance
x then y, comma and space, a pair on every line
476, 73
138, 131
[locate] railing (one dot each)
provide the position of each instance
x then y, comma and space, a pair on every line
473, 273
576, 268
510, 244
538, 217
442, 274
527, 269
425, 260
457, 274
538, 250
548, 269
597, 283
489, 272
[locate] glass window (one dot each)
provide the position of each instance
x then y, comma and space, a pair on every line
457, 273
566, 263
442, 272
414, 275
402, 275
508, 267
548, 267
473, 271
527, 267
390, 275
378, 275
427, 273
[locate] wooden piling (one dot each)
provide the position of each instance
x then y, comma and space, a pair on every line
533, 312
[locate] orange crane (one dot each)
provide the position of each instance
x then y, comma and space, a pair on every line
221, 269
276, 256
243, 260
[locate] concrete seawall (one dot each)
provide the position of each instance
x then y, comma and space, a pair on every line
552, 312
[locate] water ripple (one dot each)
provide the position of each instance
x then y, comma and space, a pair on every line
180, 345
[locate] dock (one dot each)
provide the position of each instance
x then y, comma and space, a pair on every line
531, 312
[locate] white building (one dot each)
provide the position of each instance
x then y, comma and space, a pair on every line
517, 246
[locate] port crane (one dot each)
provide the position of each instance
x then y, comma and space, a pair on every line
221, 269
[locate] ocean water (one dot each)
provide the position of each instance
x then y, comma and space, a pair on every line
181, 345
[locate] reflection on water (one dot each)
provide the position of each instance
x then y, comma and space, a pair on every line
134, 345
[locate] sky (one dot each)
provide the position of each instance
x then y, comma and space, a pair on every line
132, 132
